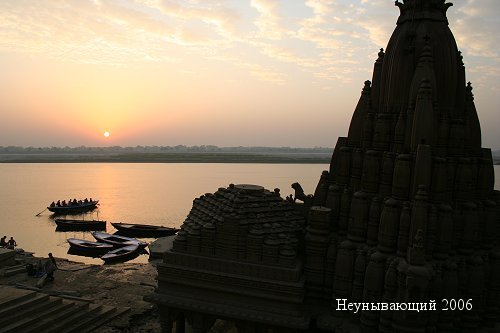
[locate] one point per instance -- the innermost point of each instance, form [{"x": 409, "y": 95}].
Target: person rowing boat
[{"x": 74, "y": 206}]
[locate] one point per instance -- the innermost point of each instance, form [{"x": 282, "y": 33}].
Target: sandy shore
[{"x": 119, "y": 285}]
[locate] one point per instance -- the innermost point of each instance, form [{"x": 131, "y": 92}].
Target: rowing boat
[
  {"x": 143, "y": 230},
  {"x": 122, "y": 253},
  {"x": 74, "y": 208},
  {"x": 68, "y": 224},
  {"x": 89, "y": 246},
  {"x": 117, "y": 240}
]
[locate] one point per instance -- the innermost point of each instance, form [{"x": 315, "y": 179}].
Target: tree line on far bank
[{"x": 160, "y": 149}]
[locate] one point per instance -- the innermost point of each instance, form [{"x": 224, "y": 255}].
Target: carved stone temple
[{"x": 407, "y": 213}]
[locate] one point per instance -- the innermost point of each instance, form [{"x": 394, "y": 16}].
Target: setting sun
[{"x": 106, "y": 134}]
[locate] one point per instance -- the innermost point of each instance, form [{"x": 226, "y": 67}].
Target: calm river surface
[
  {"x": 150, "y": 193},
  {"x": 160, "y": 194}
]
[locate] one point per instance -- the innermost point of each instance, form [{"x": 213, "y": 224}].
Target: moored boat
[
  {"x": 122, "y": 253},
  {"x": 117, "y": 240},
  {"x": 68, "y": 224},
  {"x": 143, "y": 230},
  {"x": 89, "y": 246},
  {"x": 74, "y": 208}
]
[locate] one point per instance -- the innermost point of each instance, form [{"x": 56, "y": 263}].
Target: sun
[{"x": 106, "y": 134}]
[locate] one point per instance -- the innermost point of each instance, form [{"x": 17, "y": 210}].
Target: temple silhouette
[{"x": 406, "y": 216}]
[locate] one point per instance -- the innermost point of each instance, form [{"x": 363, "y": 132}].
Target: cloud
[
  {"x": 335, "y": 39},
  {"x": 265, "y": 73},
  {"x": 329, "y": 39},
  {"x": 269, "y": 20},
  {"x": 286, "y": 55},
  {"x": 84, "y": 31},
  {"x": 215, "y": 14},
  {"x": 476, "y": 28},
  {"x": 113, "y": 32}
]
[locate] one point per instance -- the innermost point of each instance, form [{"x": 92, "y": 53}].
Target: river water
[{"x": 148, "y": 193}]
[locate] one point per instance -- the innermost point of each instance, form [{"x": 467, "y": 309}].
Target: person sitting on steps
[
  {"x": 50, "y": 267},
  {"x": 11, "y": 244}
]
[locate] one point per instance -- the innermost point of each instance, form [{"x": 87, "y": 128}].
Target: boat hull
[
  {"x": 121, "y": 254},
  {"x": 117, "y": 240},
  {"x": 82, "y": 245},
  {"x": 79, "y": 225},
  {"x": 143, "y": 230},
  {"x": 73, "y": 209}
]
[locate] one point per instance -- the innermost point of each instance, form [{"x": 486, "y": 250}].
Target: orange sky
[{"x": 228, "y": 73}]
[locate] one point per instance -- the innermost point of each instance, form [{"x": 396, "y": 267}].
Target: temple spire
[
  {"x": 423, "y": 9},
  {"x": 361, "y": 111},
  {"x": 423, "y": 119},
  {"x": 473, "y": 126}
]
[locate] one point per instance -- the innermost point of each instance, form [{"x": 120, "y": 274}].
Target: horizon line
[{"x": 159, "y": 146}]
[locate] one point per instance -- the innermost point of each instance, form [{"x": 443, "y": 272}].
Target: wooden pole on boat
[{"x": 41, "y": 212}]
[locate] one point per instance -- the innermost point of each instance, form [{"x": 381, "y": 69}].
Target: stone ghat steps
[
  {"x": 28, "y": 311},
  {"x": 13, "y": 270}
]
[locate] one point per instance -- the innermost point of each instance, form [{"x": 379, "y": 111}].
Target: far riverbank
[{"x": 198, "y": 157}]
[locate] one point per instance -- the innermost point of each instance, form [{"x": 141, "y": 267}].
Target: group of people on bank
[
  {"x": 47, "y": 268},
  {"x": 70, "y": 202},
  {"x": 44, "y": 269},
  {"x": 10, "y": 244}
]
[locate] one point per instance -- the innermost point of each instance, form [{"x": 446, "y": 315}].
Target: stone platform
[
  {"x": 7, "y": 257},
  {"x": 160, "y": 246},
  {"x": 29, "y": 311}
]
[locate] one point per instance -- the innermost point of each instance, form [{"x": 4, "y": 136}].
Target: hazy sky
[{"x": 222, "y": 72}]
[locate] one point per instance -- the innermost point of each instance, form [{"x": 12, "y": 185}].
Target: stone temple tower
[
  {"x": 414, "y": 215},
  {"x": 406, "y": 214}
]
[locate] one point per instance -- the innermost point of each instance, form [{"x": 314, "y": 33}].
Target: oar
[{"x": 41, "y": 212}]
